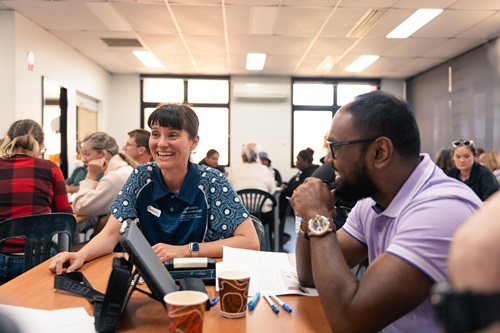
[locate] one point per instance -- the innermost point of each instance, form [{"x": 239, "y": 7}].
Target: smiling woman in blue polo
[{"x": 184, "y": 209}]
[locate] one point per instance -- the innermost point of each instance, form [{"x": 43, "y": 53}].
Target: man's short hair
[
  {"x": 141, "y": 137},
  {"x": 378, "y": 113}
]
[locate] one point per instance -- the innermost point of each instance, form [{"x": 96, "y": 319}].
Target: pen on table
[
  {"x": 253, "y": 302},
  {"x": 283, "y": 305},
  {"x": 271, "y": 303},
  {"x": 214, "y": 301}
]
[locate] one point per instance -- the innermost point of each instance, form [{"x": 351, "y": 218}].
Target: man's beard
[{"x": 362, "y": 187}]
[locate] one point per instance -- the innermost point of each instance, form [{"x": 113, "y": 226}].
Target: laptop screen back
[{"x": 152, "y": 270}]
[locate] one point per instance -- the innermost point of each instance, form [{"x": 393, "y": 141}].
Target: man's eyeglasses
[
  {"x": 460, "y": 143},
  {"x": 345, "y": 143}
]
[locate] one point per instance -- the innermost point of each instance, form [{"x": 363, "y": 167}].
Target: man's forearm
[{"x": 303, "y": 262}]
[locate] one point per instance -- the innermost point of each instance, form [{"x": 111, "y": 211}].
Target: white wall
[
  {"x": 7, "y": 70},
  {"x": 267, "y": 123},
  {"x": 124, "y": 111},
  {"x": 21, "y": 89}
]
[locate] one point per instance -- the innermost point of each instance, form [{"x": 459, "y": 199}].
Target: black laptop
[{"x": 152, "y": 270}]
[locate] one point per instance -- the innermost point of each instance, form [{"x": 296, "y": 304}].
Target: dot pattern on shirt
[{"x": 225, "y": 210}]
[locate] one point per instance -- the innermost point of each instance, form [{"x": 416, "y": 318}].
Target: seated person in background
[
  {"x": 404, "y": 218},
  {"x": 185, "y": 209},
  {"x": 212, "y": 160},
  {"x": 306, "y": 168},
  {"x": 491, "y": 160},
  {"x": 264, "y": 159},
  {"x": 137, "y": 146},
  {"x": 79, "y": 174},
  {"x": 474, "y": 264},
  {"x": 467, "y": 170},
  {"x": 251, "y": 174},
  {"x": 28, "y": 185},
  {"x": 93, "y": 199},
  {"x": 444, "y": 159}
]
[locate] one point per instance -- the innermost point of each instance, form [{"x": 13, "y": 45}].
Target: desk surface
[{"x": 35, "y": 289}]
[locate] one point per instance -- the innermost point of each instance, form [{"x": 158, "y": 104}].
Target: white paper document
[
  {"x": 74, "y": 320},
  {"x": 271, "y": 272}
]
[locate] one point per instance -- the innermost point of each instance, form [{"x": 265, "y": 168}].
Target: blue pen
[
  {"x": 271, "y": 303},
  {"x": 253, "y": 303},
  {"x": 214, "y": 301},
  {"x": 283, "y": 305}
]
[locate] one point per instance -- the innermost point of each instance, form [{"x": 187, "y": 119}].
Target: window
[
  {"x": 209, "y": 98},
  {"x": 314, "y": 103}
]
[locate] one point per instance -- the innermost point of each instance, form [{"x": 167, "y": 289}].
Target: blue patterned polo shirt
[{"x": 205, "y": 209}]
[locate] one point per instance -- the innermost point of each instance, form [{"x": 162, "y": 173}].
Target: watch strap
[{"x": 460, "y": 312}]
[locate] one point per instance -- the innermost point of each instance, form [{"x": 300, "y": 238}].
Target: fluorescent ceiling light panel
[
  {"x": 262, "y": 20},
  {"x": 255, "y": 61},
  {"x": 108, "y": 15},
  {"x": 416, "y": 21},
  {"x": 361, "y": 63},
  {"x": 327, "y": 63},
  {"x": 148, "y": 59}
]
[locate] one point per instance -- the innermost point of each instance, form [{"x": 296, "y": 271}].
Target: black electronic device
[
  {"x": 152, "y": 270},
  {"x": 201, "y": 268}
]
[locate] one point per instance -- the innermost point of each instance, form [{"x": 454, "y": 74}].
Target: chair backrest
[
  {"x": 254, "y": 200},
  {"x": 261, "y": 233},
  {"x": 38, "y": 231}
]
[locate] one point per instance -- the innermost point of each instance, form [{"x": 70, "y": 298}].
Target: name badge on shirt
[{"x": 155, "y": 211}]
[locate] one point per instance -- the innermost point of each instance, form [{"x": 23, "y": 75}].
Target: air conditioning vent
[
  {"x": 366, "y": 23},
  {"x": 268, "y": 92},
  {"x": 122, "y": 42}
]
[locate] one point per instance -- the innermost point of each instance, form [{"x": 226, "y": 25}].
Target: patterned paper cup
[
  {"x": 233, "y": 293},
  {"x": 185, "y": 311}
]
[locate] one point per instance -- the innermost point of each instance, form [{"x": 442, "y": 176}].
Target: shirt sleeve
[
  {"x": 94, "y": 198},
  {"x": 488, "y": 184},
  {"x": 125, "y": 205},
  {"x": 226, "y": 211}
]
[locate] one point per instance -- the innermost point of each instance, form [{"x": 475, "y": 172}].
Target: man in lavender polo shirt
[{"x": 407, "y": 212}]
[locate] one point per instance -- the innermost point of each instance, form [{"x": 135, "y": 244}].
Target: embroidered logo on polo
[{"x": 155, "y": 211}]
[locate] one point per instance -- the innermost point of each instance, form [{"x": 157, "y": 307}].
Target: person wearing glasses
[
  {"x": 29, "y": 185},
  {"x": 478, "y": 177},
  {"x": 405, "y": 215},
  {"x": 137, "y": 146}
]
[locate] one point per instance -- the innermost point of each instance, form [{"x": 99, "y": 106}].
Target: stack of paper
[
  {"x": 75, "y": 320},
  {"x": 271, "y": 272}
]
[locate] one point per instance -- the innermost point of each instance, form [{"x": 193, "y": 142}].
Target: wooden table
[{"x": 35, "y": 289}]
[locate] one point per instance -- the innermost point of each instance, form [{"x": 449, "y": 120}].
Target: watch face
[
  {"x": 194, "y": 247},
  {"x": 319, "y": 225}
]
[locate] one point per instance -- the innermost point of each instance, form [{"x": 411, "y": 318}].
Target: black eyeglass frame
[{"x": 345, "y": 143}]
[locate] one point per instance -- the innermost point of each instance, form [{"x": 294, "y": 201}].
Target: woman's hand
[
  {"x": 66, "y": 262},
  {"x": 166, "y": 251},
  {"x": 96, "y": 167}
]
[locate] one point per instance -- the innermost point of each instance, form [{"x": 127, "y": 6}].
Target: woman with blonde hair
[
  {"x": 29, "y": 185},
  {"x": 491, "y": 160}
]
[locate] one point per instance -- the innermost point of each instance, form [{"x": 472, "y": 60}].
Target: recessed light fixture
[
  {"x": 148, "y": 59},
  {"x": 255, "y": 61},
  {"x": 328, "y": 63},
  {"x": 361, "y": 63},
  {"x": 416, "y": 21}
]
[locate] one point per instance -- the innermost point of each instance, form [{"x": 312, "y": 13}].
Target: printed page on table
[{"x": 271, "y": 272}]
